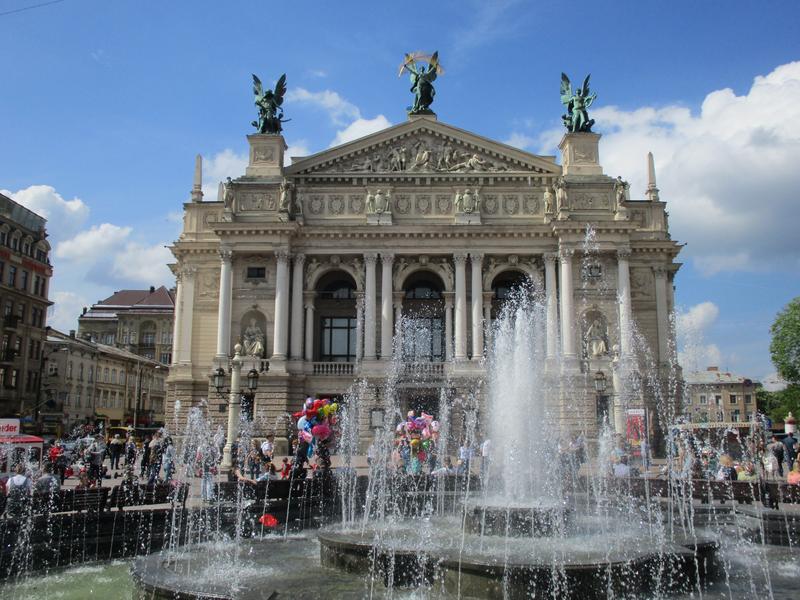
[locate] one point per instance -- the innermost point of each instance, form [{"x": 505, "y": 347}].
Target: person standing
[
  {"x": 115, "y": 450},
  {"x": 776, "y": 451},
  {"x": 168, "y": 459},
  {"x": 790, "y": 450},
  {"x": 268, "y": 448},
  {"x": 97, "y": 454},
  {"x": 130, "y": 451},
  {"x": 18, "y": 491},
  {"x": 154, "y": 465},
  {"x": 145, "y": 455}
]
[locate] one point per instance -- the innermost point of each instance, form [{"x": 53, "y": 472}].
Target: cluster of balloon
[
  {"x": 315, "y": 426},
  {"x": 416, "y": 438},
  {"x": 268, "y": 520}
]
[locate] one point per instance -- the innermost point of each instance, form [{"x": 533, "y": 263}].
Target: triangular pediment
[{"x": 425, "y": 146}]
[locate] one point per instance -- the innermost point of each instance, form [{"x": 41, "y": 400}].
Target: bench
[{"x": 144, "y": 495}]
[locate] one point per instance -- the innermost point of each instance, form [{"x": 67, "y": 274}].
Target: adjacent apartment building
[
  {"x": 139, "y": 321},
  {"x": 716, "y": 396},
  {"x": 89, "y": 382},
  {"x": 25, "y": 273}
]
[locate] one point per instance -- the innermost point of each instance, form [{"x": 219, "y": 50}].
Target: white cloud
[
  {"x": 143, "y": 264},
  {"x": 692, "y": 326},
  {"x": 339, "y": 110},
  {"x": 65, "y": 217},
  {"x": 93, "y": 244},
  {"x": 215, "y": 169},
  {"x": 298, "y": 149},
  {"x": 520, "y": 140},
  {"x": 359, "y": 128},
  {"x": 728, "y": 174},
  {"x": 67, "y": 306}
]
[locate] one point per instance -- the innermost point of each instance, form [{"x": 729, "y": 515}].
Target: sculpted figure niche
[
  {"x": 253, "y": 339},
  {"x": 595, "y": 339}
]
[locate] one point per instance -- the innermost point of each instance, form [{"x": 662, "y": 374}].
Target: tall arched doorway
[
  {"x": 423, "y": 318},
  {"x": 504, "y": 286},
  {"x": 336, "y": 318}
]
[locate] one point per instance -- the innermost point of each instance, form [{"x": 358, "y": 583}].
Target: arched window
[
  {"x": 336, "y": 307},
  {"x": 423, "y": 319},
  {"x": 505, "y": 286}
]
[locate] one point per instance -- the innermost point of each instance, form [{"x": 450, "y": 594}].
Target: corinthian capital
[
  {"x": 370, "y": 258},
  {"x": 550, "y": 257},
  {"x": 459, "y": 258},
  {"x": 624, "y": 252},
  {"x": 225, "y": 253},
  {"x": 565, "y": 253},
  {"x": 282, "y": 255},
  {"x": 476, "y": 258},
  {"x": 299, "y": 259},
  {"x": 387, "y": 258}
]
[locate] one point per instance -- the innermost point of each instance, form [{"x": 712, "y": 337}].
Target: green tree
[
  {"x": 785, "y": 346},
  {"x": 777, "y": 405}
]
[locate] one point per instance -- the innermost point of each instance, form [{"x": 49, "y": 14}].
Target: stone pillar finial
[
  {"x": 652, "y": 190},
  {"x": 197, "y": 184}
]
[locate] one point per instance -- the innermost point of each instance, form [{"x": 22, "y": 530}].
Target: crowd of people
[{"x": 770, "y": 459}]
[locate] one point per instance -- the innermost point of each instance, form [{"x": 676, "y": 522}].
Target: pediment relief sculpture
[{"x": 420, "y": 154}]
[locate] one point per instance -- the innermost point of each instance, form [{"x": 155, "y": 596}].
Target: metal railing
[
  {"x": 423, "y": 370},
  {"x": 332, "y": 368}
]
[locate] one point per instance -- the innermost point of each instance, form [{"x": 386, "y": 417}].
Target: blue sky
[{"x": 105, "y": 104}]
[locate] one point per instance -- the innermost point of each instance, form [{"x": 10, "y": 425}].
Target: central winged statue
[
  {"x": 270, "y": 113},
  {"x": 422, "y": 79},
  {"x": 577, "y": 117}
]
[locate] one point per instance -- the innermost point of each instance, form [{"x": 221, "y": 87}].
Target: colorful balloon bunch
[
  {"x": 315, "y": 422},
  {"x": 416, "y": 439}
]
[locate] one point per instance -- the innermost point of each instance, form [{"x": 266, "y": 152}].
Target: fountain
[{"x": 533, "y": 522}]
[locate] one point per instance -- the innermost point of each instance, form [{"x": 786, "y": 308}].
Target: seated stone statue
[{"x": 253, "y": 341}]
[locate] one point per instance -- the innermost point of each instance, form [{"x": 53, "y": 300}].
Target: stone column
[
  {"x": 448, "y": 325},
  {"x": 224, "y": 309},
  {"x": 624, "y": 299},
  {"x": 359, "y": 326},
  {"x": 280, "y": 336},
  {"x": 369, "y": 307},
  {"x": 487, "y": 319},
  {"x": 476, "y": 261},
  {"x": 461, "y": 306},
  {"x": 308, "y": 301},
  {"x": 233, "y": 407},
  {"x": 567, "y": 301},
  {"x": 552, "y": 303},
  {"x": 178, "y": 316},
  {"x": 619, "y": 408},
  {"x": 662, "y": 313},
  {"x": 297, "y": 307},
  {"x": 185, "y": 343},
  {"x": 387, "y": 329}
]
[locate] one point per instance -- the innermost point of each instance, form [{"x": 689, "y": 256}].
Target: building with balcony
[
  {"x": 87, "y": 382},
  {"x": 311, "y": 266},
  {"x": 137, "y": 320},
  {"x": 715, "y": 396},
  {"x": 25, "y": 273}
]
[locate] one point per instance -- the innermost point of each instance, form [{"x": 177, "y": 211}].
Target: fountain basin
[{"x": 541, "y": 518}]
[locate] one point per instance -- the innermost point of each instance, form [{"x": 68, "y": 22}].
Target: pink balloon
[
  {"x": 321, "y": 432},
  {"x": 306, "y": 436}
]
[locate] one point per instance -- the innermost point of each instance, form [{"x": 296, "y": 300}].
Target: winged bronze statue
[
  {"x": 270, "y": 113},
  {"x": 577, "y": 117},
  {"x": 422, "y": 79}
]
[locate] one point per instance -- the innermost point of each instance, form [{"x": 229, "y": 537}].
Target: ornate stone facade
[{"x": 422, "y": 220}]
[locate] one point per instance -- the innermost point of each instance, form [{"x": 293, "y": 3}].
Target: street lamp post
[{"x": 233, "y": 405}]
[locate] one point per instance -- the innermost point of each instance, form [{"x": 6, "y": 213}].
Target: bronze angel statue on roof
[
  {"x": 270, "y": 113},
  {"x": 422, "y": 79},
  {"x": 577, "y": 117}
]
